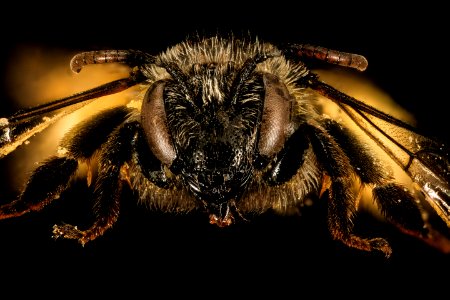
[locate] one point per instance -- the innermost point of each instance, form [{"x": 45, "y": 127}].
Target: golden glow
[
  {"x": 358, "y": 86},
  {"x": 38, "y": 75}
]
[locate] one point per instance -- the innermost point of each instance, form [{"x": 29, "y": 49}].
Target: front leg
[
  {"x": 112, "y": 174},
  {"x": 107, "y": 195},
  {"x": 341, "y": 211},
  {"x": 342, "y": 199}
]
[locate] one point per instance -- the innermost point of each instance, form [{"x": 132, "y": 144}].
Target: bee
[{"x": 232, "y": 127}]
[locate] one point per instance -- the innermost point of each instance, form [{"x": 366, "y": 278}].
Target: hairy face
[{"x": 215, "y": 122}]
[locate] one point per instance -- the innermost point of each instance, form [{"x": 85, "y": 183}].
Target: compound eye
[
  {"x": 154, "y": 123},
  {"x": 276, "y": 116}
]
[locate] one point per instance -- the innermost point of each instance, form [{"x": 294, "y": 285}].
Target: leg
[
  {"x": 397, "y": 204},
  {"x": 52, "y": 177},
  {"x": 359, "y": 154},
  {"x": 112, "y": 173},
  {"x": 399, "y": 207},
  {"x": 86, "y": 138},
  {"x": 44, "y": 185},
  {"x": 342, "y": 202}
]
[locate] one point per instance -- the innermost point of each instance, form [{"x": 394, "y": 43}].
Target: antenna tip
[{"x": 76, "y": 64}]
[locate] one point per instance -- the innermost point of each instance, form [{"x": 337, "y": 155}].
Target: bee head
[{"x": 211, "y": 126}]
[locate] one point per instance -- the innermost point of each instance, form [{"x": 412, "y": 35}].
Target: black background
[{"x": 165, "y": 253}]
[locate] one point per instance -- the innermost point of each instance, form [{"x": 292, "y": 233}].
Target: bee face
[{"x": 213, "y": 118}]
